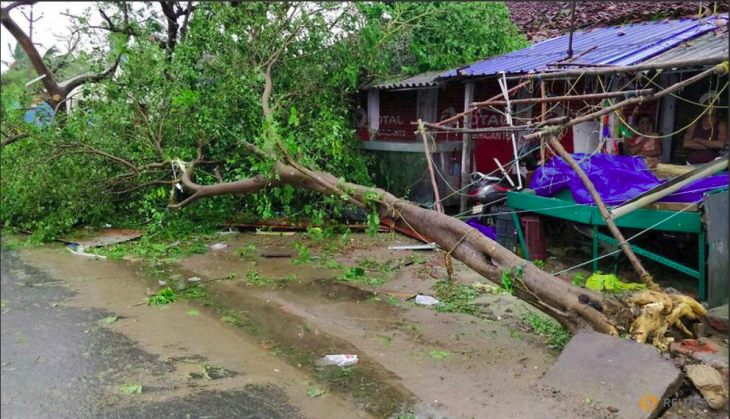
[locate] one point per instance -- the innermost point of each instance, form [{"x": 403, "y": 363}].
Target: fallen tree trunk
[{"x": 573, "y": 307}]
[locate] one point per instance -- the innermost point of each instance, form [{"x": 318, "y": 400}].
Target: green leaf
[
  {"x": 194, "y": 312},
  {"x": 109, "y": 320},
  {"x": 293, "y": 119},
  {"x": 131, "y": 389},
  {"x": 434, "y": 354}
]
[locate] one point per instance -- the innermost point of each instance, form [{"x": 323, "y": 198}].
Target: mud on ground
[{"x": 268, "y": 322}]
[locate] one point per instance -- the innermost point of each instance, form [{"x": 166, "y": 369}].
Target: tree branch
[
  {"x": 11, "y": 139},
  {"x": 69, "y": 85},
  {"x": 27, "y": 45}
]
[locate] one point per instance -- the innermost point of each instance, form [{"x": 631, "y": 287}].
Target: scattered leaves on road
[
  {"x": 131, "y": 389},
  {"x": 439, "y": 354},
  {"x": 109, "y": 320},
  {"x": 315, "y": 391}
]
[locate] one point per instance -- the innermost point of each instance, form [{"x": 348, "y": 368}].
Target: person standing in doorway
[{"x": 705, "y": 139}]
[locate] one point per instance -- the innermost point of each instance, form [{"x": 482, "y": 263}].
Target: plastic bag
[{"x": 337, "y": 360}]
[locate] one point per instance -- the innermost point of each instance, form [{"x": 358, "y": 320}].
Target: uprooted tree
[{"x": 253, "y": 104}]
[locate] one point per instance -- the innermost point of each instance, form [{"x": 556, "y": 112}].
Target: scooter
[{"x": 487, "y": 195}]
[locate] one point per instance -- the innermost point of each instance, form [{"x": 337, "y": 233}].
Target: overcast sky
[{"x": 44, "y": 31}]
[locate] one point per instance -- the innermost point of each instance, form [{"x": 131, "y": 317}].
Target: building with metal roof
[
  {"x": 709, "y": 45},
  {"x": 616, "y": 45},
  {"x": 421, "y": 80}
]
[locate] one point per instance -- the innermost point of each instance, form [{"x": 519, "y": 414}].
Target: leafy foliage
[
  {"x": 557, "y": 335},
  {"x": 163, "y": 297},
  {"x": 110, "y": 160},
  {"x": 456, "y": 297}
]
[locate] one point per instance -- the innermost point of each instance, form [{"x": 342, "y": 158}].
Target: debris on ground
[
  {"x": 703, "y": 350},
  {"x": 688, "y": 346},
  {"x": 194, "y": 279},
  {"x": 717, "y": 318},
  {"x": 79, "y": 251},
  {"x": 108, "y": 237},
  {"x": 276, "y": 254},
  {"x": 610, "y": 282},
  {"x": 710, "y": 384},
  {"x": 337, "y": 360},
  {"x": 218, "y": 246},
  {"x": 629, "y": 376},
  {"x": 275, "y": 233},
  {"x": 660, "y": 311},
  {"x": 426, "y": 300},
  {"x": 430, "y": 246}
]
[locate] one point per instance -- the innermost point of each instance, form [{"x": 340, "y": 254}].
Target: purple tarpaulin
[
  {"x": 488, "y": 231},
  {"x": 616, "y": 178}
]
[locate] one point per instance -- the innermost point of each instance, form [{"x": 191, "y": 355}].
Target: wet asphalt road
[{"x": 58, "y": 363}]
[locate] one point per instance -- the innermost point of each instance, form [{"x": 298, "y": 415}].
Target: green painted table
[{"x": 563, "y": 206}]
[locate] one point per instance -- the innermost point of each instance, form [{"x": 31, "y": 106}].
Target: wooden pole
[
  {"x": 718, "y": 69},
  {"x": 466, "y": 147},
  {"x": 471, "y": 107},
  {"x": 635, "y": 262},
  {"x": 435, "y": 186},
  {"x": 699, "y": 62},
  {"x": 594, "y": 96},
  {"x": 503, "y": 128},
  {"x": 670, "y": 187},
  {"x": 543, "y": 117}
]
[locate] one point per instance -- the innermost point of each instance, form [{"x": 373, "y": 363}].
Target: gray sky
[{"x": 44, "y": 31}]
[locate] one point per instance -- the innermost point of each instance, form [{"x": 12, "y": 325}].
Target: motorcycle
[{"x": 489, "y": 193}]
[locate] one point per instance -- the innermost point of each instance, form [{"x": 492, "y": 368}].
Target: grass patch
[
  {"x": 439, "y": 354},
  {"x": 358, "y": 274},
  {"x": 163, "y": 297},
  {"x": 193, "y": 313},
  {"x": 557, "y": 335},
  {"x": 305, "y": 255},
  {"x": 14, "y": 242},
  {"x": 315, "y": 391},
  {"x": 456, "y": 298},
  {"x": 131, "y": 389},
  {"x": 232, "y": 320},
  {"x": 255, "y": 278},
  {"x": 149, "y": 247},
  {"x": 194, "y": 293}
]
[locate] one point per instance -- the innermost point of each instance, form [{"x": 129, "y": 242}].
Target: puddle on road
[{"x": 289, "y": 336}]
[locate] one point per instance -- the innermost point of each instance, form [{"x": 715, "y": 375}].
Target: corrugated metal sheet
[
  {"x": 420, "y": 80},
  {"x": 706, "y": 46},
  {"x": 617, "y": 45}
]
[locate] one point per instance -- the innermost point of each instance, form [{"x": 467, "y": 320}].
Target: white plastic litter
[
  {"x": 426, "y": 300},
  {"x": 162, "y": 283},
  {"x": 218, "y": 246},
  {"x": 337, "y": 360},
  {"x": 79, "y": 251},
  {"x": 194, "y": 279}
]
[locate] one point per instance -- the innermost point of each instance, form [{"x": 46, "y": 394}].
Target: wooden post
[
  {"x": 542, "y": 119},
  {"x": 635, "y": 262},
  {"x": 373, "y": 112},
  {"x": 670, "y": 187},
  {"x": 667, "y": 110},
  {"x": 434, "y": 185},
  {"x": 466, "y": 148}
]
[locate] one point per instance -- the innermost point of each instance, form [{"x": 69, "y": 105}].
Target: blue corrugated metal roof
[{"x": 615, "y": 45}]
